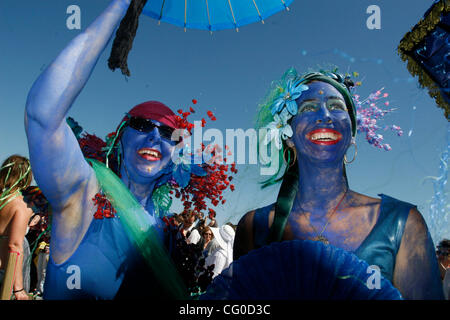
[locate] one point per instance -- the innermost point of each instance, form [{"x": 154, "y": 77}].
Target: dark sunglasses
[{"x": 146, "y": 125}]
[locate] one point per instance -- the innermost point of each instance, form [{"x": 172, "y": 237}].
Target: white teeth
[
  {"x": 151, "y": 153},
  {"x": 324, "y": 136}
]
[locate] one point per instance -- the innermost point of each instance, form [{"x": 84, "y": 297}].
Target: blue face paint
[
  {"x": 322, "y": 135},
  {"x": 145, "y": 155},
  {"x": 322, "y": 127}
]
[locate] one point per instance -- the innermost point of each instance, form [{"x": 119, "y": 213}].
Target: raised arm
[
  {"x": 416, "y": 272},
  {"x": 58, "y": 164},
  {"x": 57, "y": 161}
]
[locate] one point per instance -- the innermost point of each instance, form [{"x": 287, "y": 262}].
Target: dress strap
[
  {"x": 283, "y": 206},
  {"x": 395, "y": 213},
  {"x": 261, "y": 226},
  {"x": 383, "y": 242}
]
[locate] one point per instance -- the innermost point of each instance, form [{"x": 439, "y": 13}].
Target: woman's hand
[{"x": 22, "y": 295}]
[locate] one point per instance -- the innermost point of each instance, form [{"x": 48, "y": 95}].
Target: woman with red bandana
[
  {"x": 93, "y": 258},
  {"x": 311, "y": 120}
]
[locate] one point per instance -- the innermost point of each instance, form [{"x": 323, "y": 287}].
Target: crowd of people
[
  {"x": 215, "y": 241},
  {"x": 206, "y": 246}
]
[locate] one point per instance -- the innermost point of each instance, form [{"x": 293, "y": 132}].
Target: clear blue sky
[{"x": 228, "y": 72}]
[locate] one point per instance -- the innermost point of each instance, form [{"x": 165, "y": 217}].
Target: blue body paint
[
  {"x": 322, "y": 134},
  {"x": 70, "y": 184}
]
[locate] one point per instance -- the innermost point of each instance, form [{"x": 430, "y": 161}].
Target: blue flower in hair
[
  {"x": 185, "y": 164},
  {"x": 288, "y": 96}
]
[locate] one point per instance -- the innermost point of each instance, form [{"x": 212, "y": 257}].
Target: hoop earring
[
  {"x": 295, "y": 156},
  {"x": 354, "y": 157}
]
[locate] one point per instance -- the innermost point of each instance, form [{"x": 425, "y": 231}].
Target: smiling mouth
[
  {"x": 150, "y": 154},
  {"x": 324, "y": 136}
]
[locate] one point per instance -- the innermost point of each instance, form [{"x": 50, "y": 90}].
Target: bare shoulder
[
  {"x": 362, "y": 200},
  {"x": 243, "y": 241},
  {"x": 416, "y": 255},
  {"x": 18, "y": 206},
  {"x": 415, "y": 218},
  {"x": 415, "y": 240},
  {"x": 15, "y": 211},
  {"x": 245, "y": 224},
  {"x": 365, "y": 208},
  {"x": 415, "y": 228}
]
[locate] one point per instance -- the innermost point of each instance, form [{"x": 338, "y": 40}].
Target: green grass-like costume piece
[
  {"x": 264, "y": 117},
  {"x": 140, "y": 230}
]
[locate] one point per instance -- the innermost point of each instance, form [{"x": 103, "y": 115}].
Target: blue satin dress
[{"x": 381, "y": 245}]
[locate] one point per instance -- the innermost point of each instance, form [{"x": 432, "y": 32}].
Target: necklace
[{"x": 320, "y": 237}]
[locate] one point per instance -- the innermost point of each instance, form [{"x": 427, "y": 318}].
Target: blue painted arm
[
  {"x": 416, "y": 272},
  {"x": 58, "y": 164}
]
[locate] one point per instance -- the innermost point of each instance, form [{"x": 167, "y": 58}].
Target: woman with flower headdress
[
  {"x": 311, "y": 122},
  {"x": 15, "y": 175},
  {"x": 107, "y": 234}
]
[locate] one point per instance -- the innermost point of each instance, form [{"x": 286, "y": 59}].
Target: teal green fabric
[
  {"x": 140, "y": 228},
  {"x": 284, "y": 203},
  {"x": 118, "y": 258},
  {"x": 379, "y": 248},
  {"x": 381, "y": 245}
]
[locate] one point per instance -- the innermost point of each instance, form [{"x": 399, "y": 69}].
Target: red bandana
[{"x": 154, "y": 110}]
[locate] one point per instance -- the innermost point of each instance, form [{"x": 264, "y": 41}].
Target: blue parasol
[
  {"x": 213, "y": 15},
  {"x": 300, "y": 270},
  {"x": 196, "y": 14}
]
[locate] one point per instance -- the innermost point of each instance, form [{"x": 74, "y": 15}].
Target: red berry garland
[
  {"x": 104, "y": 207},
  {"x": 216, "y": 180},
  {"x": 194, "y": 196}
]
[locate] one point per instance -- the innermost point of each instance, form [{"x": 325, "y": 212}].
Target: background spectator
[
  {"x": 15, "y": 175},
  {"x": 209, "y": 243},
  {"x": 222, "y": 257},
  {"x": 443, "y": 256},
  {"x": 41, "y": 261},
  {"x": 187, "y": 229}
]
